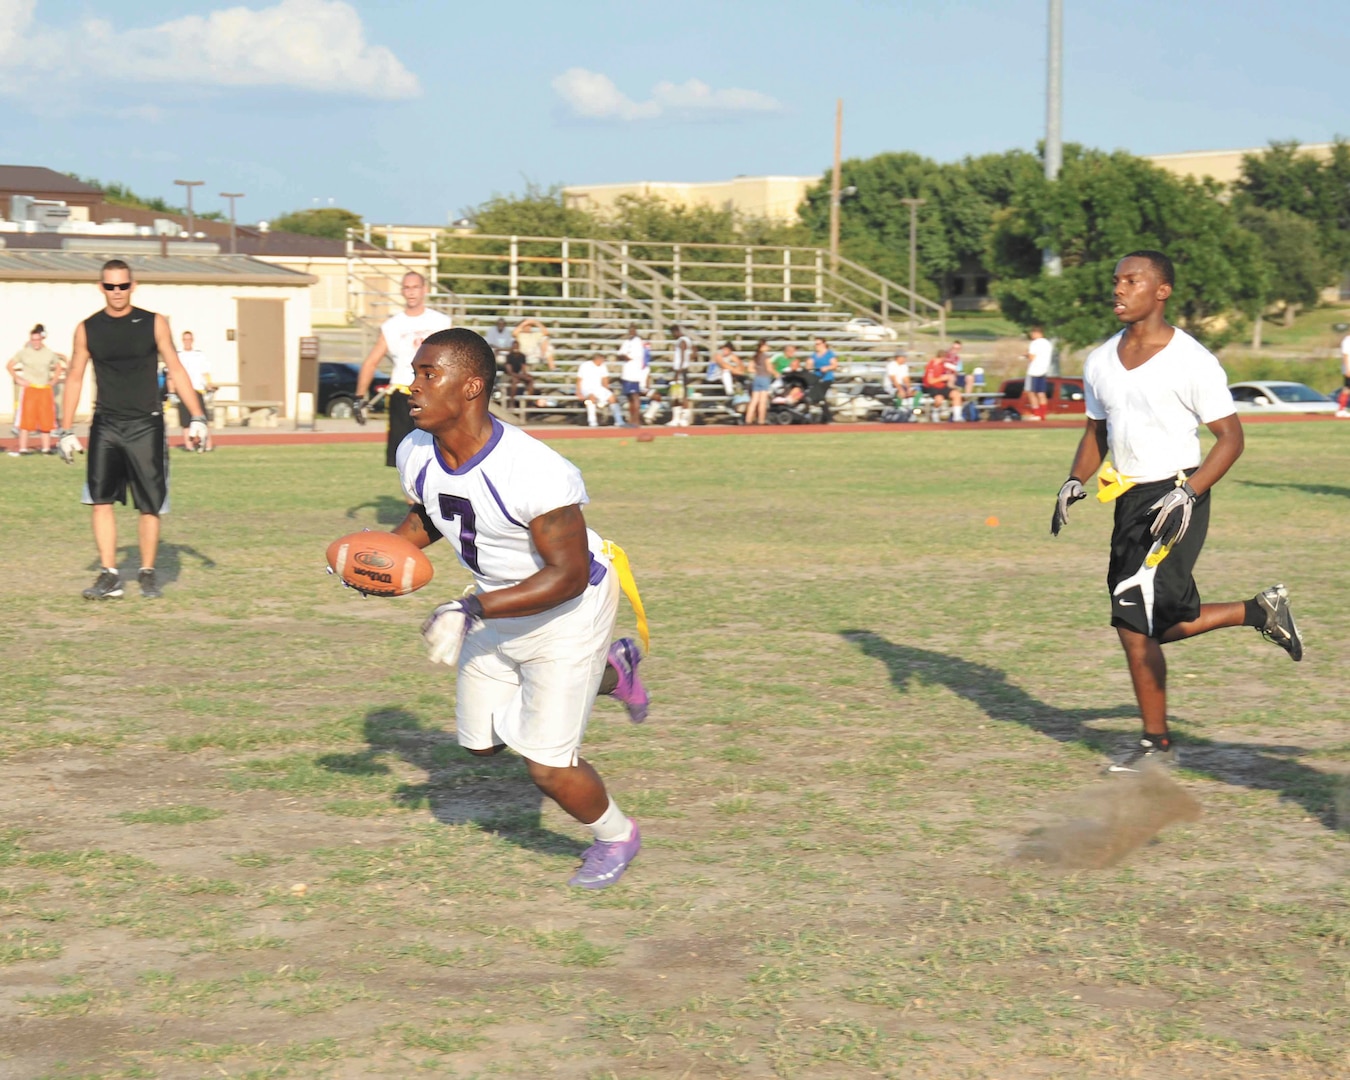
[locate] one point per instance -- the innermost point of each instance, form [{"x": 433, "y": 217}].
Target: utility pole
[
  {"x": 232, "y": 195},
  {"x": 1054, "y": 99},
  {"x": 834, "y": 185},
  {"x": 190, "y": 184},
  {"x": 913, "y": 205}
]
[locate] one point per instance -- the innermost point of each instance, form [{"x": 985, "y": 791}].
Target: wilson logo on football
[{"x": 375, "y": 559}]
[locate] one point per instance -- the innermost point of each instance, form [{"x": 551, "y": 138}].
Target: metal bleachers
[{"x": 588, "y": 292}]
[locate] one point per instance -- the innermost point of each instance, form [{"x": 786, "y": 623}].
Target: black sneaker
[
  {"x": 107, "y": 587},
  {"x": 1145, "y": 755},
  {"x": 150, "y": 589},
  {"x": 1280, "y": 626}
]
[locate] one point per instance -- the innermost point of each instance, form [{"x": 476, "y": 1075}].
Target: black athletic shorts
[
  {"x": 400, "y": 425},
  {"x": 941, "y": 391},
  {"x": 1151, "y": 602},
  {"x": 128, "y": 452}
]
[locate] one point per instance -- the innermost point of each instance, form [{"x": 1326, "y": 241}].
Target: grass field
[{"x": 237, "y": 839}]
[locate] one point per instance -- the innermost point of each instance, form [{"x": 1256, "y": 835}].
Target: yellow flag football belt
[
  {"x": 1111, "y": 485},
  {"x": 618, "y": 558}
]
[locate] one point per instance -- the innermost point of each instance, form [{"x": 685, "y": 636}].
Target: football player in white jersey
[
  {"x": 532, "y": 642},
  {"x": 400, "y": 337}
]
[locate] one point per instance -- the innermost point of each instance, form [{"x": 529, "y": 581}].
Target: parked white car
[
  {"x": 1268, "y": 396},
  {"x": 869, "y": 330}
]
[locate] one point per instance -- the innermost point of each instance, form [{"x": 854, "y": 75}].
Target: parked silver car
[{"x": 1271, "y": 396}]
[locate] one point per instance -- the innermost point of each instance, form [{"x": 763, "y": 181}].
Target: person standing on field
[
  {"x": 1039, "y": 353},
  {"x": 1148, "y": 389},
  {"x": 199, "y": 371},
  {"x": 36, "y": 370},
  {"x": 530, "y": 644},
  {"x": 1344, "y": 397},
  {"x": 633, "y": 355},
  {"x": 682, "y": 366},
  {"x": 400, "y": 337},
  {"x": 127, "y": 443}
]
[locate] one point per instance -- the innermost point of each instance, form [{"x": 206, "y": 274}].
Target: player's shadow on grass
[
  {"x": 494, "y": 793},
  {"x": 168, "y": 562},
  {"x": 1307, "y": 489},
  {"x": 1261, "y": 766},
  {"x": 388, "y": 510}
]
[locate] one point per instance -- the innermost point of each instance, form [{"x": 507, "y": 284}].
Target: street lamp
[
  {"x": 913, "y": 205},
  {"x": 190, "y": 184},
  {"x": 232, "y": 195}
]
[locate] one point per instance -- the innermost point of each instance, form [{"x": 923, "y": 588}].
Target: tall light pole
[
  {"x": 192, "y": 221},
  {"x": 1054, "y": 100},
  {"x": 232, "y": 195},
  {"x": 834, "y": 185},
  {"x": 913, "y": 205}
]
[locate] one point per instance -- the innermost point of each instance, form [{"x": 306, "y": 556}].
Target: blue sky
[{"x": 411, "y": 112}]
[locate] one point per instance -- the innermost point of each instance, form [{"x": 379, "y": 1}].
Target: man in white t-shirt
[
  {"x": 199, "y": 373},
  {"x": 594, "y": 392},
  {"x": 401, "y": 336},
  {"x": 1343, "y": 398},
  {"x": 531, "y": 642},
  {"x": 681, "y": 366},
  {"x": 1039, "y": 353},
  {"x": 1148, "y": 389},
  {"x": 633, "y": 375},
  {"x": 896, "y": 381}
]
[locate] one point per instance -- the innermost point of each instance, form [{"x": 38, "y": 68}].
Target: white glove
[
  {"x": 447, "y": 626},
  {"x": 1069, "y": 493},
  {"x": 69, "y": 446},
  {"x": 197, "y": 433},
  {"x": 1173, "y": 515}
]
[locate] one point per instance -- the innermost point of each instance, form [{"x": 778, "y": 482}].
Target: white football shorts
[{"x": 530, "y": 682}]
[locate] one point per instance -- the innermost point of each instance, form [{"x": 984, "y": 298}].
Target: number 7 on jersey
[{"x": 455, "y": 506}]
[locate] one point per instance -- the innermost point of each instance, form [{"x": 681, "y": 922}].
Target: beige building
[
  {"x": 1224, "y": 166},
  {"x": 776, "y": 197},
  {"x": 247, "y": 317}
]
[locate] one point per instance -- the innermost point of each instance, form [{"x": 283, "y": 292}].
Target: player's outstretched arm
[
  {"x": 560, "y": 538},
  {"x": 1088, "y": 459}
]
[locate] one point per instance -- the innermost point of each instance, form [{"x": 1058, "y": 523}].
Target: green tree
[
  {"x": 331, "y": 222},
  {"x": 1296, "y": 269},
  {"x": 121, "y": 195},
  {"x": 952, "y": 227},
  {"x": 1286, "y": 178},
  {"x": 1101, "y": 207}
]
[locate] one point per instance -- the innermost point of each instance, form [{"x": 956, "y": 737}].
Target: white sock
[
  {"x": 111, "y": 569},
  {"x": 612, "y": 825}
]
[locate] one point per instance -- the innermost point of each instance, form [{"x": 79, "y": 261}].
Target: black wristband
[
  {"x": 196, "y": 419},
  {"x": 1186, "y": 487},
  {"x": 472, "y": 605}
]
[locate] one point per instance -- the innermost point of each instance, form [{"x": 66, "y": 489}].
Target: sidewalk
[{"x": 328, "y": 431}]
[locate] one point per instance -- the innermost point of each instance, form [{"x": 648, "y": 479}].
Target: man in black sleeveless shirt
[{"x": 127, "y": 445}]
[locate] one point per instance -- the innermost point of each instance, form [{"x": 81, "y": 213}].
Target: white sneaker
[{"x": 1344, "y": 414}]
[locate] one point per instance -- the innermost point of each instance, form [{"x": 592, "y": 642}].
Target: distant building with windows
[{"x": 773, "y": 197}]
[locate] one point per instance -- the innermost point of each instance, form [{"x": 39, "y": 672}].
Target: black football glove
[
  {"x": 1069, "y": 493},
  {"x": 361, "y": 410}
]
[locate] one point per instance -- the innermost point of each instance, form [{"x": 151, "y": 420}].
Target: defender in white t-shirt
[
  {"x": 1040, "y": 352},
  {"x": 1148, "y": 389},
  {"x": 532, "y": 642},
  {"x": 401, "y": 336}
]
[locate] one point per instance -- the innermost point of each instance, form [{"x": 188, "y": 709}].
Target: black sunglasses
[{"x": 122, "y": 286}]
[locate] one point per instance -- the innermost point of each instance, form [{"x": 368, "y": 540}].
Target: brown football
[{"x": 379, "y": 563}]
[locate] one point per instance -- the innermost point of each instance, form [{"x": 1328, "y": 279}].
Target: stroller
[{"x": 800, "y": 400}]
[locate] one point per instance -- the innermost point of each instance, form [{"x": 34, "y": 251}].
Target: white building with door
[{"x": 246, "y": 315}]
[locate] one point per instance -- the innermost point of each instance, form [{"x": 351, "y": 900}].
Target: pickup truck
[{"x": 1064, "y": 397}]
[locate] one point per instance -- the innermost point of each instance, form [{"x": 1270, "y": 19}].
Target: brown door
[{"x": 261, "y": 333}]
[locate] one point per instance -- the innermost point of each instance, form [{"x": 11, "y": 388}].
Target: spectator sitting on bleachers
[
  {"x": 787, "y": 360},
  {"x": 593, "y": 390},
  {"x": 518, "y": 374},
  {"x": 939, "y": 381},
  {"x": 531, "y": 337},
  {"x": 724, "y": 367},
  {"x": 823, "y": 361},
  {"x": 501, "y": 339},
  {"x": 897, "y": 377}
]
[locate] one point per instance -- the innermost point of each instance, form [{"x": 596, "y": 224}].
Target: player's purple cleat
[
  {"x": 603, "y": 863},
  {"x": 625, "y": 656}
]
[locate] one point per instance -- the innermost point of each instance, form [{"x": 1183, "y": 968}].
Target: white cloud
[
  {"x": 593, "y": 96},
  {"x": 315, "y": 45}
]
